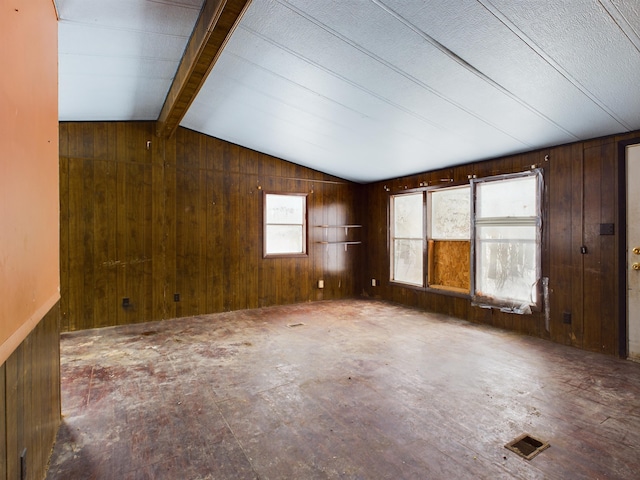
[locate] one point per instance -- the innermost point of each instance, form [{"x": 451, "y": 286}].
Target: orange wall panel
[{"x": 29, "y": 203}]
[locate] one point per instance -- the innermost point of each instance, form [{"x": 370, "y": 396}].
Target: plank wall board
[
  {"x": 168, "y": 232},
  {"x": 30, "y": 394},
  {"x": 158, "y": 259},
  {"x": 565, "y": 213},
  {"x": 600, "y": 263},
  {"x": 215, "y": 229},
  {"x": 64, "y": 238}
]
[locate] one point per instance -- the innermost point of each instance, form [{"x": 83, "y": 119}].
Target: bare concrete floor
[{"x": 363, "y": 389}]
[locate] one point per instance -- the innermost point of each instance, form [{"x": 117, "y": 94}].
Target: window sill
[
  {"x": 285, "y": 255},
  {"x": 437, "y": 289}
]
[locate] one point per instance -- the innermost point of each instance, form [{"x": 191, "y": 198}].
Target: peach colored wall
[{"x": 29, "y": 204}]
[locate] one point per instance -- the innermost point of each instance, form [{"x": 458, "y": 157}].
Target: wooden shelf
[
  {"x": 338, "y": 226},
  {"x": 341, "y": 243},
  {"x": 346, "y": 243}
]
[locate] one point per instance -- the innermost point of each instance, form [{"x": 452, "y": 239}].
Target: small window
[
  {"x": 407, "y": 238},
  {"x": 507, "y": 248},
  {"x": 449, "y": 245},
  {"x": 285, "y": 224}
]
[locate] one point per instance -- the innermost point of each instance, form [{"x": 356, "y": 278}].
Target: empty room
[{"x": 312, "y": 239}]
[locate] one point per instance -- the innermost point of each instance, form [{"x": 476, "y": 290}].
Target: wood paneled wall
[
  {"x": 581, "y": 192},
  {"x": 30, "y": 400},
  {"x": 145, "y": 221}
]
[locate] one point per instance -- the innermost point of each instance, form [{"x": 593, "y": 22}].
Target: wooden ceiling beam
[{"x": 217, "y": 21}]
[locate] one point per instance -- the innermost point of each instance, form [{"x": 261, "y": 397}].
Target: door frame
[{"x": 623, "y": 341}]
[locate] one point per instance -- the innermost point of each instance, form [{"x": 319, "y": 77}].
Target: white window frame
[
  {"x": 431, "y": 236},
  {"x": 267, "y": 226},
  {"x": 533, "y": 221},
  {"x": 393, "y": 239}
]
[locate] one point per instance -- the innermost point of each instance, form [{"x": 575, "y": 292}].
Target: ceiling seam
[
  {"x": 622, "y": 22},
  {"x": 175, "y": 4},
  {"x": 463, "y": 63},
  {"x": 547, "y": 58},
  {"x": 399, "y": 72},
  {"x": 132, "y": 57},
  {"x": 123, "y": 75},
  {"x": 121, "y": 29}
]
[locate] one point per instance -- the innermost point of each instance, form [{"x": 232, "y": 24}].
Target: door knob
[
  {"x": 636, "y": 266},
  {"x": 636, "y": 250}
]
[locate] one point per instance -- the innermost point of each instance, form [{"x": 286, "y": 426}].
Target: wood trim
[
  {"x": 217, "y": 21},
  {"x": 14, "y": 341}
]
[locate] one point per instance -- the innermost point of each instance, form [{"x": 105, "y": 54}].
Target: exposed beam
[{"x": 217, "y": 21}]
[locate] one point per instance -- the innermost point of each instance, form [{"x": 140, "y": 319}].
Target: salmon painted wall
[{"x": 29, "y": 203}]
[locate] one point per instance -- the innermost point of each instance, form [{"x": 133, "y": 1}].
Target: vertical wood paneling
[
  {"x": 215, "y": 227},
  {"x": 170, "y": 226},
  {"x": 609, "y": 249},
  {"x": 576, "y": 184},
  {"x": 600, "y": 262},
  {"x": 565, "y": 207},
  {"x": 157, "y": 235},
  {"x": 106, "y": 255},
  {"x": 187, "y": 224},
  {"x": 30, "y": 393},
  {"x": 75, "y": 234},
  {"x": 64, "y": 240},
  {"x": 253, "y": 225},
  {"x": 185, "y": 216}
]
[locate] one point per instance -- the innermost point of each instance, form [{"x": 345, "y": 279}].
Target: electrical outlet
[
  {"x": 125, "y": 302},
  {"x": 566, "y": 318},
  {"x": 176, "y": 297},
  {"x": 320, "y": 283},
  {"x": 374, "y": 282}
]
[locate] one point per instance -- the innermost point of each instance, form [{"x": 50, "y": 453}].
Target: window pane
[
  {"x": 407, "y": 261},
  {"x": 407, "y": 215},
  {"x": 284, "y": 239},
  {"x": 287, "y": 209},
  {"x": 513, "y": 197},
  {"x": 451, "y": 214},
  {"x": 506, "y": 263}
]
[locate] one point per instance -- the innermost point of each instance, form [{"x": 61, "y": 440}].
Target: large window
[
  {"x": 488, "y": 247},
  {"x": 285, "y": 224},
  {"x": 407, "y": 238},
  {"x": 507, "y": 224}
]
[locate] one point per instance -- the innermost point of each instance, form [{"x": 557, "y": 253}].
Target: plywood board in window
[{"x": 450, "y": 266}]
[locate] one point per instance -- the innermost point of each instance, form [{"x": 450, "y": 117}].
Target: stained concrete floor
[{"x": 362, "y": 390}]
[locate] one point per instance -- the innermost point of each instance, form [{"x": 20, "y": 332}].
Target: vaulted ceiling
[{"x": 367, "y": 89}]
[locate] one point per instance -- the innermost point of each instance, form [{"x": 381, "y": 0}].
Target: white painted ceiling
[{"x": 368, "y": 89}]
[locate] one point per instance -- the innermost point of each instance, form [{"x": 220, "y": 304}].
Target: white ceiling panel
[
  {"x": 117, "y": 58},
  {"x": 582, "y": 39},
  {"x": 368, "y": 89},
  {"x": 480, "y": 39}
]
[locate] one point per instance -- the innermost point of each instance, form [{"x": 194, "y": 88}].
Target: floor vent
[
  {"x": 299, "y": 324},
  {"x": 527, "y": 446}
]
